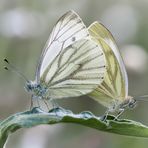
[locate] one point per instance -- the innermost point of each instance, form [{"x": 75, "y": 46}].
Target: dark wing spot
[{"x": 73, "y": 39}]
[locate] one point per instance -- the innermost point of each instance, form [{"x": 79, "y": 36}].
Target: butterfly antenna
[
  {"x": 14, "y": 69},
  {"x": 141, "y": 98}
]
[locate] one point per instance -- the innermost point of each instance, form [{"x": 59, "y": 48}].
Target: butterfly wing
[
  {"x": 76, "y": 71},
  {"x": 69, "y": 63},
  {"x": 114, "y": 88},
  {"x": 106, "y": 35},
  {"x": 68, "y": 29}
]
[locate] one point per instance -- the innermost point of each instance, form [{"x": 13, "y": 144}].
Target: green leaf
[{"x": 59, "y": 115}]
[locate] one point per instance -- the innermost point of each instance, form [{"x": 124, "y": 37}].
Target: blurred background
[{"x": 24, "y": 28}]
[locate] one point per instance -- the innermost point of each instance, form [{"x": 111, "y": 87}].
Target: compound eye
[
  {"x": 38, "y": 85},
  {"x": 132, "y": 104},
  {"x": 29, "y": 87}
]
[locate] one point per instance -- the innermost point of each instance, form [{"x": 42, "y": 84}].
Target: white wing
[
  {"x": 76, "y": 70},
  {"x": 68, "y": 29},
  {"x": 106, "y": 35}
]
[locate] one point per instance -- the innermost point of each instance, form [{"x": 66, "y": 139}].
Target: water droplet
[{"x": 87, "y": 114}]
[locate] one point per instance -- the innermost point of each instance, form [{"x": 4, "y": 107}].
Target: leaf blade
[{"x": 59, "y": 115}]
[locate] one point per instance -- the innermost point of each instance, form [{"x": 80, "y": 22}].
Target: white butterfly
[
  {"x": 113, "y": 91},
  {"x": 71, "y": 64}
]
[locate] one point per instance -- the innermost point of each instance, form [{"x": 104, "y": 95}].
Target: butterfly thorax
[{"x": 36, "y": 89}]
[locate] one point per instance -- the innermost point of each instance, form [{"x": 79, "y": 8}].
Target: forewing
[
  {"x": 113, "y": 89},
  {"x": 99, "y": 30},
  {"x": 76, "y": 71},
  {"x": 68, "y": 29}
]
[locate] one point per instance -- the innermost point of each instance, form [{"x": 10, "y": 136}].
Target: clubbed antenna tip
[
  {"x": 6, "y": 61},
  {"x": 12, "y": 68},
  {"x": 6, "y": 68}
]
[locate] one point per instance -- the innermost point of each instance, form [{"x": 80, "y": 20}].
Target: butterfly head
[
  {"x": 30, "y": 85},
  {"x": 132, "y": 102},
  {"x": 35, "y": 89},
  {"x": 129, "y": 102}
]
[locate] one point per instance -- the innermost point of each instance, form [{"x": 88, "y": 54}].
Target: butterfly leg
[
  {"x": 31, "y": 104},
  {"x": 38, "y": 103},
  {"x": 46, "y": 103},
  {"x": 104, "y": 117},
  {"x": 54, "y": 104},
  {"x": 34, "y": 102},
  {"x": 121, "y": 110},
  {"x": 56, "y": 108}
]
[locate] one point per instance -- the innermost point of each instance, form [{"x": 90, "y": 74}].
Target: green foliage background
[{"x": 24, "y": 29}]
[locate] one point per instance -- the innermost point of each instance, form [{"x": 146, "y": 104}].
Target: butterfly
[
  {"x": 113, "y": 91},
  {"x": 71, "y": 63}
]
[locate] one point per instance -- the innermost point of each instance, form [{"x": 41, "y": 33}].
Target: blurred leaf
[{"x": 59, "y": 115}]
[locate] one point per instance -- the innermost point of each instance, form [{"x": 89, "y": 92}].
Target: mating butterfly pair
[{"x": 77, "y": 61}]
